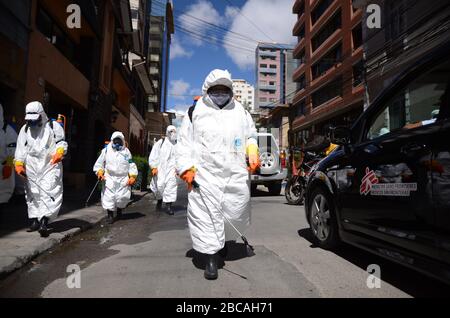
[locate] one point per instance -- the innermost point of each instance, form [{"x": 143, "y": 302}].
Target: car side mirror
[{"x": 341, "y": 136}]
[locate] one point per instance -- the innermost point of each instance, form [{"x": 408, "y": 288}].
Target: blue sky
[{"x": 241, "y": 24}]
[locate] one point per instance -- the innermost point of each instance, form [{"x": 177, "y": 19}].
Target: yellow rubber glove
[
  {"x": 101, "y": 174},
  {"x": 58, "y": 156},
  {"x": 253, "y": 158},
  {"x": 155, "y": 171},
  {"x": 20, "y": 169}
]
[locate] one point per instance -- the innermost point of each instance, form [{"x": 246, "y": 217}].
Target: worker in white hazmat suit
[
  {"x": 116, "y": 167},
  {"x": 41, "y": 147},
  {"x": 216, "y": 137},
  {"x": 8, "y": 139},
  {"x": 162, "y": 165}
]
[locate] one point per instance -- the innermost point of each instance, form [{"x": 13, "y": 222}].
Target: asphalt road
[{"x": 149, "y": 254}]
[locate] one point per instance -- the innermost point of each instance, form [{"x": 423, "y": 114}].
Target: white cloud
[
  {"x": 273, "y": 17},
  {"x": 195, "y": 17},
  {"x": 177, "y": 50},
  {"x": 179, "y": 88}
]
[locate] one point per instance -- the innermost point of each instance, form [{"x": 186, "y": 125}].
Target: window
[
  {"x": 330, "y": 59},
  {"x": 302, "y": 57},
  {"x": 263, "y": 65},
  {"x": 317, "y": 12},
  {"x": 271, "y": 83},
  {"x": 422, "y": 102},
  {"x": 301, "y": 33},
  {"x": 327, "y": 30},
  {"x": 55, "y": 35},
  {"x": 357, "y": 36},
  {"x": 302, "y": 82},
  {"x": 263, "y": 99},
  {"x": 358, "y": 70},
  {"x": 273, "y": 66},
  {"x": 328, "y": 92}
]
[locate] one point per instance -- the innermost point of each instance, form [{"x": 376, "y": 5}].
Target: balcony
[
  {"x": 266, "y": 70},
  {"x": 267, "y": 54},
  {"x": 267, "y": 104},
  {"x": 267, "y": 87},
  {"x": 298, "y": 7}
]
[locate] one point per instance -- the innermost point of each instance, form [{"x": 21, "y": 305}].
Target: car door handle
[{"x": 412, "y": 147}]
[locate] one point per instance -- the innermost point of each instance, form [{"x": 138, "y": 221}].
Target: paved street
[{"x": 148, "y": 254}]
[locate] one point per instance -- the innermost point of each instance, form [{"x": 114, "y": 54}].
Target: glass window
[
  {"x": 358, "y": 70},
  {"x": 327, "y": 30},
  {"x": 333, "y": 57},
  {"x": 357, "y": 36},
  {"x": 328, "y": 92},
  {"x": 422, "y": 102},
  {"x": 319, "y": 9}
]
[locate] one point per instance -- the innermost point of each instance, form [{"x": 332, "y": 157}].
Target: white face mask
[{"x": 173, "y": 136}]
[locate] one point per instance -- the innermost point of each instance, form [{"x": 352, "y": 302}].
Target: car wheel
[
  {"x": 269, "y": 161},
  {"x": 322, "y": 219},
  {"x": 275, "y": 188}
]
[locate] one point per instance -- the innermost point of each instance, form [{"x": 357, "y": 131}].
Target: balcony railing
[
  {"x": 267, "y": 87},
  {"x": 268, "y": 70},
  {"x": 267, "y": 53}
]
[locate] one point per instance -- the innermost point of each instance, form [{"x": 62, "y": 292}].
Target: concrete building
[
  {"x": 330, "y": 52},
  {"x": 82, "y": 73},
  {"x": 160, "y": 34},
  {"x": 244, "y": 93},
  {"x": 273, "y": 62}
]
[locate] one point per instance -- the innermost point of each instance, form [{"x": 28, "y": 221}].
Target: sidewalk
[{"x": 18, "y": 247}]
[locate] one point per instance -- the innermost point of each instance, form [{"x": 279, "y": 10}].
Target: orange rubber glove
[
  {"x": 58, "y": 156},
  {"x": 253, "y": 158},
  {"x": 101, "y": 175},
  {"x": 131, "y": 181},
  {"x": 188, "y": 176},
  {"x": 155, "y": 171},
  {"x": 20, "y": 169}
]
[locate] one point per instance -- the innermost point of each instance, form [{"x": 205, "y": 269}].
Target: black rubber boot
[
  {"x": 110, "y": 219},
  {"x": 43, "y": 230},
  {"x": 159, "y": 205},
  {"x": 211, "y": 272},
  {"x": 34, "y": 225},
  {"x": 119, "y": 214},
  {"x": 169, "y": 208}
]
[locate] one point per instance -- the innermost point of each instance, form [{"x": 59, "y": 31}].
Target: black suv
[{"x": 387, "y": 188}]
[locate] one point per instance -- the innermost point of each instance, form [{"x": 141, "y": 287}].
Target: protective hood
[
  {"x": 35, "y": 109},
  {"x": 1, "y": 116},
  {"x": 172, "y": 136},
  {"x": 217, "y": 77},
  {"x": 169, "y": 128},
  {"x": 118, "y": 134}
]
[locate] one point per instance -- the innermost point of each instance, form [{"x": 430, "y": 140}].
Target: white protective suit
[
  {"x": 8, "y": 139},
  {"x": 162, "y": 157},
  {"x": 118, "y": 167},
  {"x": 215, "y": 144},
  {"x": 35, "y": 149}
]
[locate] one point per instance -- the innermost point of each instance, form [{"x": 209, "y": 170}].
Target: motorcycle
[{"x": 296, "y": 185}]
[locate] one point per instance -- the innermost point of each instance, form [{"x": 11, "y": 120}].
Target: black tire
[
  {"x": 275, "y": 188},
  {"x": 294, "y": 198},
  {"x": 331, "y": 239}
]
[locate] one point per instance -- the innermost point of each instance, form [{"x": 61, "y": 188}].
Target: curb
[{"x": 19, "y": 255}]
